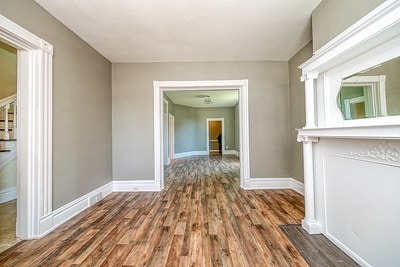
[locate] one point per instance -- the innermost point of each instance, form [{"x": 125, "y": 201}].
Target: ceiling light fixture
[{"x": 208, "y": 100}]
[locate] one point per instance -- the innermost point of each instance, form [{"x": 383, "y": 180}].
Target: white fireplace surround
[{"x": 348, "y": 163}]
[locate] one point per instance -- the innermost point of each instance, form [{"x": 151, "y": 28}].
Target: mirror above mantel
[
  {"x": 353, "y": 82},
  {"x": 371, "y": 93}
]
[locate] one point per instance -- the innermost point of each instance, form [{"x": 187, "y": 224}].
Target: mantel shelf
[{"x": 359, "y": 132}]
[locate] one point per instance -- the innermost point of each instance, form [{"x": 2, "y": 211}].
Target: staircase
[{"x": 8, "y": 129}]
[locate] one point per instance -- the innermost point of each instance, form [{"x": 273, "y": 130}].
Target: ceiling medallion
[{"x": 208, "y": 101}]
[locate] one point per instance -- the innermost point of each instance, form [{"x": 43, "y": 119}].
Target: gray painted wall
[
  {"x": 8, "y": 70},
  {"x": 332, "y": 17},
  {"x": 133, "y": 113},
  {"x": 185, "y": 129},
  {"x": 297, "y": 109},
  {"x": 81, "y": 104}
]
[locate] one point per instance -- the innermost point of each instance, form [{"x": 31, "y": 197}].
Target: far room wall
[
  {"x": 8, "y": 70},
  {"x": 191, "y": 127},
  {"x": 132, "y": 115}
]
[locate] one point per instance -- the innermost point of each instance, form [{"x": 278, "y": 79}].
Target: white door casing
[
  {"x": 165, "y": 133},
  {"x": 240, "y": 85},
  {"x": 34, "y": 131},
  {"x": 171, "y": 136}
]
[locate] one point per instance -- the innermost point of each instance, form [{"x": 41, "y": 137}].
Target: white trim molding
[
  {"x": 34, "y": 131},
  {"x": 61, "y": 215},
  {"x": 8, "y": 195},
  {"x": 231, "y": 152},
  {"x": 136, "y": 186},
  {"x": 276, "y": 183},
  {"x": 161, "y": 86},
  {"x": 373, "y": 40},
  {"x": 204, "y": 153}
]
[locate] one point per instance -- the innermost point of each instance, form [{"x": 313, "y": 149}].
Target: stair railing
[{"x": 6, "y": 104}]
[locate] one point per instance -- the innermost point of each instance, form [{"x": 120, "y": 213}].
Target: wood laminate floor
[
  {"x": 8, "y": 215},
  {"x": 317, "y": 250},
  {"x": 202, "y": 218}
]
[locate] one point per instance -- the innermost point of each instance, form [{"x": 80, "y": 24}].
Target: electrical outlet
[{"x": 226, "y": 147}]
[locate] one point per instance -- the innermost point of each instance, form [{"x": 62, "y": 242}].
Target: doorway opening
[
  {"x": 8, "y": 146},
  {"x": 215, "y": 136},
  {"x": 164, "y": 86},
  {"x": 34, "y": 129}
]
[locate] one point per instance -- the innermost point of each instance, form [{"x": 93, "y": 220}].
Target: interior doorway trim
[
  {"x": 171, "y": 136},
  {"x": 161, "y": 86},
  {"x": 34, "y": 130},
  {"x": 222, "y": 120}
]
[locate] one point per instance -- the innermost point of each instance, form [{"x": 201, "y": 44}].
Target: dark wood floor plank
[{"x": 316, "y": 249}]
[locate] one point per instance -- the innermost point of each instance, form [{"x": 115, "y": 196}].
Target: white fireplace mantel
[
  {"x": 352, "y": 167},
  {"x": 357, "y": 132}
]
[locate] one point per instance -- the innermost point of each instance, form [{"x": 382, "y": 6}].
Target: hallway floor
[
  {"x": 202, "y": 218},
  {"x": 8, "y": 215}
]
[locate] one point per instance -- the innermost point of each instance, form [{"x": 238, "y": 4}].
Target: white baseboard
[
  {"x": 8, "y": 194},
  {"x": 190, "y": 153},
  {"x": 275, "y": 183},
  {"x": 347, "y": 250},
  {"x": 51, "y": 221},
  {"x": 231, "y": 152},
  {"x": 202, "y": 153},
  {"x": 297, "y": 186},
  {"x": 136, "y": 185}
]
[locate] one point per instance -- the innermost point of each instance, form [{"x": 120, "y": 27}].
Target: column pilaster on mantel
[
  {"x": 308, "y": 79},
  {"x": 309, "y": 223}
]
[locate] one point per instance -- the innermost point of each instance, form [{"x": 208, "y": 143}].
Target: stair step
[
  {"x": 6, "y": 140},
  {"x": 5, "y": 150}
]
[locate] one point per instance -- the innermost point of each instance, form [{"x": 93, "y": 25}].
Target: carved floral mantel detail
[{"x": 381, "y": 151}]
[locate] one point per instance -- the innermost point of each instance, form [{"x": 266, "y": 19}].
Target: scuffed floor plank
[{"x": 317, "y": 250}]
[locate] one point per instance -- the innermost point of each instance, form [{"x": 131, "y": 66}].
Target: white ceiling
[
  {"x": 222, "y": 98},
  {"x": 188, "y": 30}
]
